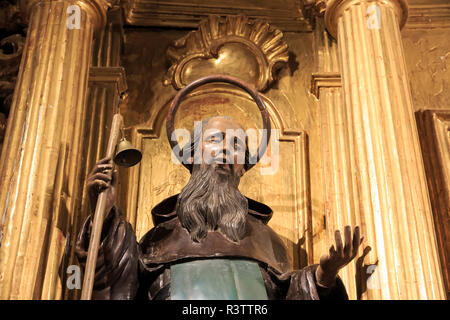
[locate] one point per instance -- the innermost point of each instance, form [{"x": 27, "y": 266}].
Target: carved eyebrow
[
  {"x": 221, "y": 134},
  {"x": 214, "y": 134}
]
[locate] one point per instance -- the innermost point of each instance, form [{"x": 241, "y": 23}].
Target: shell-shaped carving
[{"x": 246, "y": 48}]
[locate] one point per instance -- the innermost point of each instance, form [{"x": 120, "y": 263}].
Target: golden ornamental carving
[
  {"x": 313, "y": 8},
  {"x": 11, "y": 49},
  {"x": 249, "y": 49}
]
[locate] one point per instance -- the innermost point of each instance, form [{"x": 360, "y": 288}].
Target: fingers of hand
[
  {"x": 103, "y": 177},
  {"x": 99, "y": 181},
  {"x": 102, "y": 164},
  {"x": 347, "y": 241},
  {"x": 101, "y": 168},
  {"x": 332, "y": 251},
  {"x": 356, "y": 241},
  {"x": 104, "y": 160},
  {"x": 338, "y": 239},
  {"x": 99, "y": 185}
]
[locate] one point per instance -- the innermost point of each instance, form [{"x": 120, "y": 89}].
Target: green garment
[{"x": 217, "y": 279}]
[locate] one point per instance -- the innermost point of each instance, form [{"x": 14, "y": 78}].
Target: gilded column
[
  {"x": 42, "y": 147},
  {"x": 394, "y": 207},
  {"x": 107, "y": 81},
  {"x": 339, "y": 207}
]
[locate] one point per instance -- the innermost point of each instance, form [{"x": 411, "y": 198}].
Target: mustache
[
  {"x": 211, "y": 201},
  {"x": 224, "y": 161}
]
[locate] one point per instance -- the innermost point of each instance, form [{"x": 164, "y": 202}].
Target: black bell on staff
[{"x": 127, "y": 155}]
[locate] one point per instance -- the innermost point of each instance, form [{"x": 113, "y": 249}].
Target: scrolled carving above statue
[{"x": 245, "y": 48}]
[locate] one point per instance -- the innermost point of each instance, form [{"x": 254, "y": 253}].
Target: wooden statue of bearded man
[{"x": 209, "y": 241}]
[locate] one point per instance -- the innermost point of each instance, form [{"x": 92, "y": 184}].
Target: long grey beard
[{"x": 210, "y": 201}]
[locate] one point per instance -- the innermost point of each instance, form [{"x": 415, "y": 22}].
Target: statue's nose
[{"x": 226, "y": 153}]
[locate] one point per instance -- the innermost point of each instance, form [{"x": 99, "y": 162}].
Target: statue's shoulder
[{"x": 169, "y": 242}]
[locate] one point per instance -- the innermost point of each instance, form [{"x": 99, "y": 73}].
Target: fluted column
[
  {"x": 394, "y": 208},
  {"x": 107, "y": 81},
  {"x": 339, "y": 206},
  {"x": 42, "y": 151}
]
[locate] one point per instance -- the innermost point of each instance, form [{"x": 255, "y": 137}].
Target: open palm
[{"x": 338, "y": 256}]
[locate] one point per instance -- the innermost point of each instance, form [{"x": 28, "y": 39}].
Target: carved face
[
  {"x": 211, "y": 199},
  {"x": 223, "y": 146}
]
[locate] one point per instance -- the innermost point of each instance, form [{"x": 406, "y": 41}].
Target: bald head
[{"x": 221, "y": 122}]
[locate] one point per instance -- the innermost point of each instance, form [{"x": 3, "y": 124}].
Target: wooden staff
[{"x": 91, "y": 263}]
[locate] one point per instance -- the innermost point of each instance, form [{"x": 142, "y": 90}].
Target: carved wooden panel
[
  {"x": 428, "y": 14},
  {"x": 284, "y": 14},
  {"x": 434, "y": 129}
]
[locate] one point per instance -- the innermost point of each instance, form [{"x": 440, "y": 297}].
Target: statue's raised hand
[
  {"x": 338, "y": 257},
  {"x": 100, "y": 179}
]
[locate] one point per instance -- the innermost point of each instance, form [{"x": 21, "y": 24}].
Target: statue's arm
[
  {"x": 116, "y": 275},
  {"x": 300, "y": 285},
  {"x": 321, "y": 281},
  {"x": 303, "y": 285}
]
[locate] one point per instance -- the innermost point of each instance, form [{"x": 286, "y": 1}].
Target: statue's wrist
[{"x": 325, "y": 279}]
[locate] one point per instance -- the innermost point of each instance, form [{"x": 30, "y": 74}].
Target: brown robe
[{"x": 130, "y": 270}]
